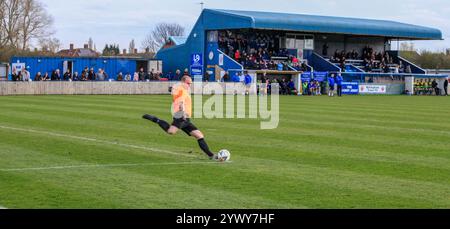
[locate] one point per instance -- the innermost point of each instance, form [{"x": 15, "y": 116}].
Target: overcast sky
[{"x": 120, "y": 21}]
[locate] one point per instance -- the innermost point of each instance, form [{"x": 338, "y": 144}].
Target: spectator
[
  {"x": 304, "y": 67},
  {"x": 237, "y": 55},
  {"x": 38, "y": 77},
  {"x": 91, "y": 75},
  {"x": 226, "y": 77},
  {"x": 67, "y": 76},
  {"x": 280, "y": 67},
  {"x": 291, "y": 87},
  {"x": 141, "y": 74},
  {"x": 158, "y": 76},
  {"x": 84, "y": 74},
  {"x": 20, "y": 76},
  {"x": 186, "y": 73},
  {"x": 408, "y": 69},
  {"x": 446, "y": 86},
  {"x": 434, "y": 85},
  {"x": 26, "y": 74},
  {"x": 236, "y": 78},
  {"x": 45, "y": 77},
  {"x": 318, "y": 88},
  {"x": 136, "y": 77},
  {"x": 14, "y": 75},
  {"x": 120, "y": 76},
  {"x": 169, "y": 76},
  {"x": 128, "y": 77},
  {"x": 101, "y": 75},
  {"x": 312, "y": 88},
  {"x": 325, "y": 50},
  {"x": 339, "y": 81},
  {"x": 75, "y": 77},
  {"x": 177, "y": 76},
  {"x": 401, "y": 67}
]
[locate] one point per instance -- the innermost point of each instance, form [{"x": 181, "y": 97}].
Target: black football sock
[
  {"x": 163, "y": 124},
  {"x": 204, "y": 146}
]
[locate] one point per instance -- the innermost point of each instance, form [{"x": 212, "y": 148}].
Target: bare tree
[
  {"x": 150, "y": 44},
  {"x": 2, "y": 16},
  {"x": 160, "y": 35},
  {"x": 52, "y": 45},
  {"x": 22, "y": 21},
  {"x": 11, "y": 22},
  {"x": 35, "y": 22}
]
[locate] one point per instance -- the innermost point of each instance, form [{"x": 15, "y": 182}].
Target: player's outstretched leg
[{"x": 163, "y": 124}]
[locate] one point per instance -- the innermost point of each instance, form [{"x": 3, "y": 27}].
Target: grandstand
[{"x": 286, "y": 45}]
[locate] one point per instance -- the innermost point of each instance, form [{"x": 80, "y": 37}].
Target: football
[{"x": 224, "y": 155}]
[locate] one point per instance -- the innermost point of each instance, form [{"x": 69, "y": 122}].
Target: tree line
[
  {"x": 22, "y": 22},
  {"x": 424, "y": 58}
]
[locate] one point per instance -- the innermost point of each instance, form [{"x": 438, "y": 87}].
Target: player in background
[
  {"x": 248, "y": 83},
  {"x": 331, "y": 84},
  {"x": 339, "y": 81},
  {"x": 182, "y": 112}
]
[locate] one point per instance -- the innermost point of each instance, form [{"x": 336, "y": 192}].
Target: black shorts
[{"x": 185, "y": 125}]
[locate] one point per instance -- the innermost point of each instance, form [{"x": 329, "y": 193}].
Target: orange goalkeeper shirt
[{"x": 182, "y": 101}]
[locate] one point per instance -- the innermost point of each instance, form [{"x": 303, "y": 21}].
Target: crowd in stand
[
  {"x": 257, "y": 51},
  {"x": 372, "y": 61},
  {"x": 87, "y": 75}
]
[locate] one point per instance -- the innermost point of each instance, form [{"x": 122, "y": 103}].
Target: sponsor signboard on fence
[
  {"x": 350, "y": 88},
  {"x": 372, "y": 89}
]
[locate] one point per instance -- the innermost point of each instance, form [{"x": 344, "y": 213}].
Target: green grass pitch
[{"x": 350, "y": 152}]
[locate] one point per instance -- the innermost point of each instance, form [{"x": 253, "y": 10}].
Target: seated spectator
[
  {"x": 312, "y": 88},
  {"x": 304, "y": 67},
  {"x": 136, "y": 77},
  {"x": 401, "y": 67}
]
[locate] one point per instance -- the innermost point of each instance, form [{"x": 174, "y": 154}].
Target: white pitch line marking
[
  {"x": 96, "y": 140},
  {"x": 102, "y": 166},
  {"x": 1, "y": 207}
]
